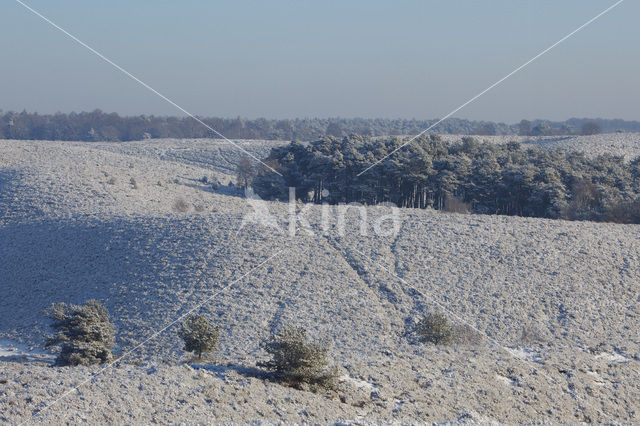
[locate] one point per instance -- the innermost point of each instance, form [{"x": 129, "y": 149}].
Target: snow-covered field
[
  {"x": 100, "y": 220},
  {"x": 625, "y": 144}
]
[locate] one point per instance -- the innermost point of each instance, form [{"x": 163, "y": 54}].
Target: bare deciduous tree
[
  {"x": 245, "y": 172},
  {"x": 590, "y": 128}
]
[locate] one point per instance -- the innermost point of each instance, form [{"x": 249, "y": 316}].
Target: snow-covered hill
[{"x": 135, "y": 226}]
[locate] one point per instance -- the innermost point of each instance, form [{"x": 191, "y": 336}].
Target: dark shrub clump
[
  {"x": 85, "y": 332},
  {"x": 199, "y": 335},
  {"x": 298, "y": 362},
  {"x": 435, "y": 328}
]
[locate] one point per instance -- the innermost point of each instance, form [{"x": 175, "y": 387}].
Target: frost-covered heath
[{"x": 135, "y": 226}]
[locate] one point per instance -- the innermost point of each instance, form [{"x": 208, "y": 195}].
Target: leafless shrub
[
  {"x": 456, "y": 205},
  {"x": 198, "y": 207},
  {"x": 133, "y": 183},
  {"x": 112, "y": 181},
  {"x": 623, "y": 212},
  {"x": 530, "y": 335},
  {"x": 180, "y": 205},
  {"x": 585, "y": 198},
  {"x": 590, "y": 128},
  {"x": 245, "y": 172},
  {"x": 466, "y": 335}
]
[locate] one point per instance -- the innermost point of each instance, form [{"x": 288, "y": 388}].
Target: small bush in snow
[
  {"x": 435, "y": 328},
  {"x": 85, "y": 332},
  {"x": 199, "y": 335},
  {"x": 530, "y": 335},
  {"x": 466, "y": 335},
  {"x": 180, "y": 205},
  {"x": 298, "y": 362}
]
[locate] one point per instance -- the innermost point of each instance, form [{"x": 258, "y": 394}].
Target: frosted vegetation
[
  {"x": 298, "y": 362},
  {"x": 199, "y": 335},
  {"x": 85, "y": 332},
  {"x": 100, "y": 126},
  {"x": 462, "y": 176},
  {"x": 544, "y": 312}
]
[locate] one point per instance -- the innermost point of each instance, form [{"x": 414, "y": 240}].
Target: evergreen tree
[
  {"x": 85, "y": 332},
  {"x": 199, "y": 335}
]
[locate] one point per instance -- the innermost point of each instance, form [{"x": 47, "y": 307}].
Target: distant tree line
[
  {"x": 100, "y": 126},
  {"x": 579, "y": 127},
  {"x": 469, "y": 175}
]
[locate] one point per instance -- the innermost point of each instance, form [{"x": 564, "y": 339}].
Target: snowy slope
[{"x": 74, "y": 226}]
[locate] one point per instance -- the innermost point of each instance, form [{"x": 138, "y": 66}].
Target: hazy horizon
[
  {"x": 177, "y": 114},
  {"x": 286, "y": 60}
]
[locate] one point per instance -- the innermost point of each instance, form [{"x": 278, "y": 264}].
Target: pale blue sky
[{"x": 287, "y": 59}]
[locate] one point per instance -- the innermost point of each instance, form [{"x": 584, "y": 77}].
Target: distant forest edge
[
  {"x": 463, "y": 177},
  {"x": 100, "y": 126}
]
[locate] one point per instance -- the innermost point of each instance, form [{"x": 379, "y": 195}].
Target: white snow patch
[
  {"x": 598, "y": 380},
  {"x": 10, "y": 350},
  {"x": 506, "y": 380},
  {"x": 615, "y": 358},
  {"x": 360, "y": 384},
  {"x": 527, "y": 354}
]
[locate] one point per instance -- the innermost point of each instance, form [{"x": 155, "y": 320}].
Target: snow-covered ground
[
  {"x": 624, "y": 144},
  {"x": 133, "y": 225}
]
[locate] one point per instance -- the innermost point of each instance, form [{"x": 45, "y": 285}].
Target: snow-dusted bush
[
  {"x": 199, "y": 335},
  {"x": 464, "y": 334},
  {"x": 85, "y": 332},
  {"x": 298, "y": 362},
  {"x": 530, "y": 335},
  {"x": 435, "y": 328},
  {"x": 180, "y": 205}
]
